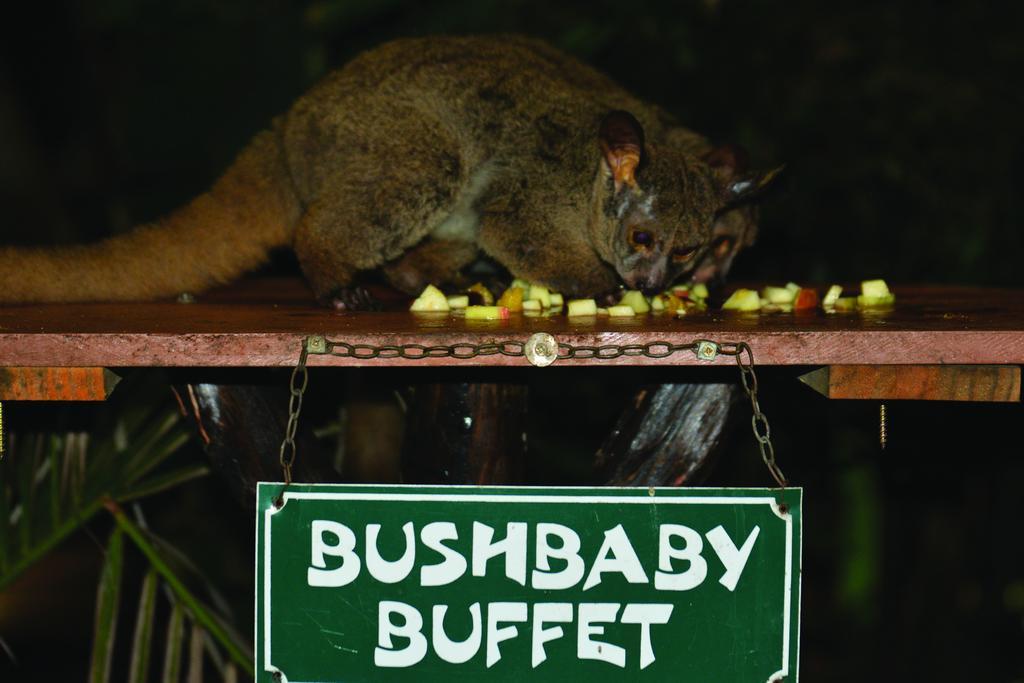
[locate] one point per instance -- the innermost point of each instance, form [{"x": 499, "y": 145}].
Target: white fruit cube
[
  {"x": 742, "y": 300},
  {"x": 621, "y": 311},
  {"x": 486, "y": 313},
  {"x": 579, "y": 307},
  {"x": 541, "y": 294},
  {"x": 876, "y": 289},
  {"x": 832, "y": 295},
  {"x": 634, "y": 299},
  {"x": 458, "y": 301},
  {"x": 780, "y": 295},
  {"x": 430, "y": 299}
]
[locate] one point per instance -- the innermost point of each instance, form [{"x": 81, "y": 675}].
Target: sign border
[{"x": 523, "y": 494}]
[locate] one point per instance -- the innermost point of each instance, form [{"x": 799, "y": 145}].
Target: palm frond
[
  {"x": 193, "y": 635},
  {"x": 108, "y": 600},
  {"x": 51, "y": 484}
]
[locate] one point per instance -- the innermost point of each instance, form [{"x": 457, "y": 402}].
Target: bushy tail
[{"x": 218, "y": 236}]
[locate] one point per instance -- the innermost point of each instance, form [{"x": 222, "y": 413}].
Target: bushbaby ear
[
  {"x": 748, "y": 185},
  {"x": 727, "y": 160},
  {"x": 622, "y": 142},
  {"x": 730, "y": 164}
]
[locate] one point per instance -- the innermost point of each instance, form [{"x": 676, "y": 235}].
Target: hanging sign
[{"x": 418, "y": 583}]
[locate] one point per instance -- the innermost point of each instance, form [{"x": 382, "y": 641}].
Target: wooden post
[
  {"x": 667, "y": 435},
  {"x": 241, "y": 427},
  {"x": 465, "y": 433}
]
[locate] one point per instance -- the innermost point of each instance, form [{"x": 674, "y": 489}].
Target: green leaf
[
  {"x": 195, "y": 655},
  {"x": 199, "y": 612},
  {"x": 162, "y": 482},
  {"x": 108, "y": 599},
  {"x": 172, "y": 649},
  {"x": 51, "y": 484},
  {"x": 138, "y": 669}
]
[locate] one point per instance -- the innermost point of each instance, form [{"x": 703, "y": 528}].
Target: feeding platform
[{"x": 263, "y": 323}]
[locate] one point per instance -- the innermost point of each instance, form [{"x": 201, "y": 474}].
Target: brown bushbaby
[{"x": 416, "y": 157}]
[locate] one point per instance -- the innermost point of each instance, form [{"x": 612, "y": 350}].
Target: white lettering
[
  {"x": 694, "y": 575},
  {"x": 548, "y": 612},
  {"x": 513, "y": 547},
  {"x": 318, "y": 574},
  {"x": 645, "y": 615},
  {"x": 616, "y": 555},
  {"x": 586, "y": 648},
  {"x": 386, "y": 655},
  {"x": 733, "y": 559},
  {"x": 451, "y": 651},
  {"x": 569, "y": 550},
  {"x": 452, "y": 566},
  {"x": 502, "y": 612},
  {"x": 384, "y": 570}
]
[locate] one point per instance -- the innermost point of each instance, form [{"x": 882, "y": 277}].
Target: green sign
[{"x": 404, "y": 583}]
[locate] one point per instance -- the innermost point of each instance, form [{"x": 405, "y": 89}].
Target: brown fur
[{"x": 413, "y": 157}]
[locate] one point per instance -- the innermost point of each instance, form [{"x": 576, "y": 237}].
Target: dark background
[{"x": 900, "y": 128}]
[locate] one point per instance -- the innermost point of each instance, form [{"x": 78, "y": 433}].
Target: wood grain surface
[
  {"x": 991, "y": 383},
  {"x": 56, "y": 384},
  {"x": 263, "y": 322}
]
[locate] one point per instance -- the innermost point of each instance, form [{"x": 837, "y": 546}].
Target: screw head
[
  {"x": 541, "y": 349},
  {"x": 707, "y": 350}
]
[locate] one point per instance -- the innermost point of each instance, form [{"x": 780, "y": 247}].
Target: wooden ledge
[
  {"x": 989, "y": 383},
  {"x": 263, "y": 323}
]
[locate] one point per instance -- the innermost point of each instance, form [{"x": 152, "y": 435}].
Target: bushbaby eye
[
  {"x": 722, "y": 246},
  {"x": 641, "y": 238},
  {"x": 683, "y": 254}
]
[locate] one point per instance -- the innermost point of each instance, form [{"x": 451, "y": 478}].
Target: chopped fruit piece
[
  {"x": 512, "y": 299},
  {"x": 521, "y": 284},
  {"x": 673, "y": 303},
  {"x": 805, "y": 299},
  {"x": 541, "y": 294},
  {"x": 658, "y": 302},
  {"x": 430, "y": 299},
  {"x": 582, "y": 307},
  {"x": 458, "y": 301},
  {"x": 699, "y": 291},
  {"x": 635, "y": 300},
  {"x": 532, "y": 305},
  {"x": 621, "y": 311},
  {"x": 486, "y": 313},
  {"x": 779, "y": 295},
  {"x": 602, "y": 311},
  {"x": 846, "y": 304},
  {"x": 682, "y": 291},
  {"x": 831, "y": 296},
  {"x": 485, "y": 294},
  {"x": 688, "y": 307},
  {"x": 875, "y": 289},
  {"x": 742, "y": 300},
  {"x": 793, "y": 287},
  {"x": 556, "y": 299},
  {"x": 865, "y": 301}
]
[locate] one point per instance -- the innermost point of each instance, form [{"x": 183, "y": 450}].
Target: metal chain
[
  {"x": 758, "y": 422},
  {"x": 297, "y": 386},
  {"x": 706, "y": 350}
]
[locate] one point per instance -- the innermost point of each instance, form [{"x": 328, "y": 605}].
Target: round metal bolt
[{"x": 541, "y": 349}]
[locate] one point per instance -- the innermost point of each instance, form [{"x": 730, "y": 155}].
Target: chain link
[
  {"x": 705, "y": 350},
  {"x": 758, "y": 422},
  {"x": 297, "y": 387}
]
